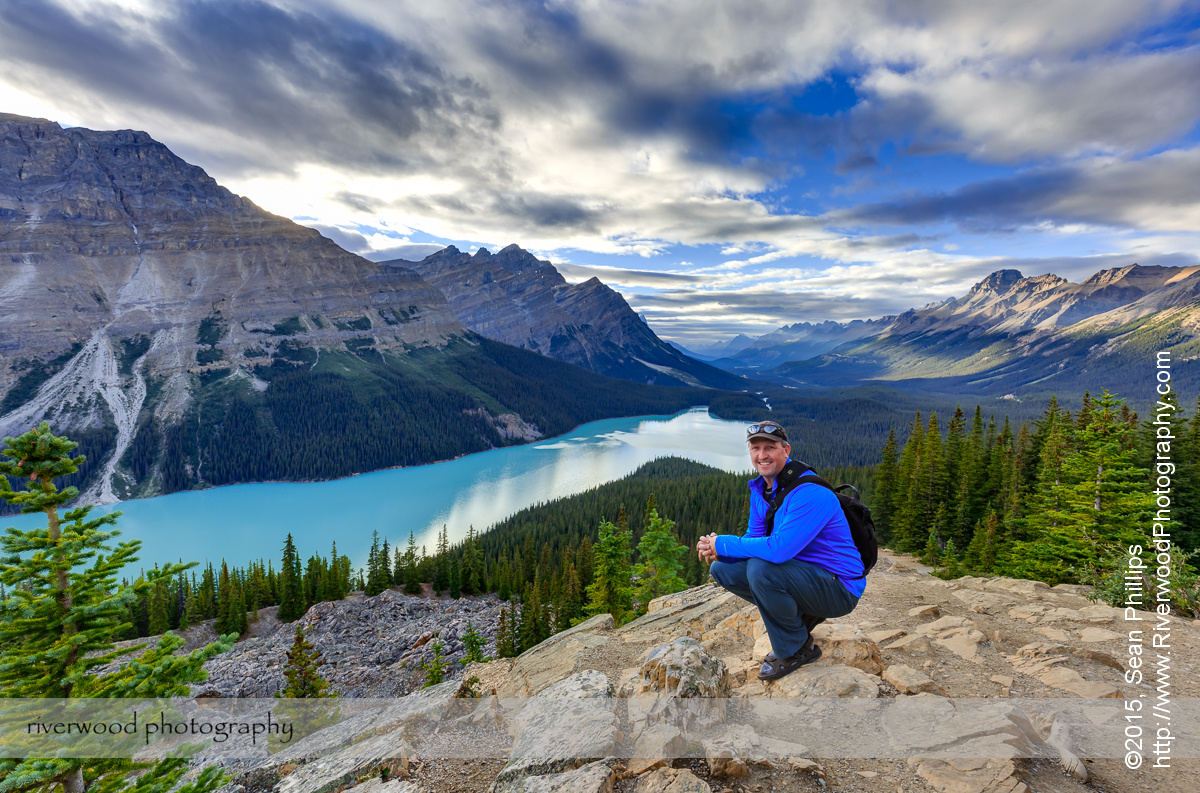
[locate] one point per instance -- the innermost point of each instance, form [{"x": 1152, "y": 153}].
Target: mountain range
[
  {"x": 1009, "y": 333},
  {"x": 513, "y": 297},
  {"x": 186, "y": 337}
]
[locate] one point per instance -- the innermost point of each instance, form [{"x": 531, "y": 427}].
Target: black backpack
[{"x": 858, "y": 515}]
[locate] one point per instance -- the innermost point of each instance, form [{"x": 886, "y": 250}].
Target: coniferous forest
[{"x": 1058, "y": 499}]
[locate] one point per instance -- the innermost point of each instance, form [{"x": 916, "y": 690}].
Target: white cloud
[{"x": 594, "y": 126}]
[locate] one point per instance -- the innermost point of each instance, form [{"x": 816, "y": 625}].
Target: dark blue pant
[{"x": 785, "y": 594}]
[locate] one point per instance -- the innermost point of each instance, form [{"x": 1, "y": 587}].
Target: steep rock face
[
  {"x": 513, "y": 297},
  {"x": 111, "y": 231},
  {"x": 186, "y": 338}
]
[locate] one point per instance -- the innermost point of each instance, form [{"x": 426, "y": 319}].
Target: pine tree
[
  {"x": 955, "y": 448},
  {"x": 226, "y": 621},
  {"x": 302, "y": 678},
  {"x": 611, "y": 591},
  {"x": 502, "y": 587},
  {"x": 932, "y": 554},
  {"x": 240, "y": 621},
  {"x": 385, "y": 565},
  {"x": 441, "y": 570},
  {"x": 455, "y": 578},
  {"x": 378, "y": 578},
  {"x": 951, "y": 565},
  {"x": 1098, "y": 507},
  {"x": 412, "y": 571},
  {"x": 583, "y": 562},
  {"x": 660, "y": 556},
  {"x": 980, "y": 557},
  {"x": 1187, "y": 500},
  {"x": 435, "y": 668},
  {"x": 969, "y": 498},
  {"x": 527, "y": 630},
  {"x": 159, "y": 620},
  {"x": 908, "y": 497},
  {"x": 291, "y": 595},
  {"x": 187, "y": 598},
  {"x": 885, "y": 498},
  {"x": 398, "y": 574},
  {"x": 472, "y": 565},
  {"x": 473, "y": 645},
  {"x": 504, "y": 636},
  {"x": 63, "y": 611},
  {"x": 572, "y": 606}
]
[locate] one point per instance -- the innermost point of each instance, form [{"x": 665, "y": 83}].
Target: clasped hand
[{"x": 706, "y": 548}]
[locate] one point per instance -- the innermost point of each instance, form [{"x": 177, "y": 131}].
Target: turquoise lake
[{"x": 243, "y": 522}]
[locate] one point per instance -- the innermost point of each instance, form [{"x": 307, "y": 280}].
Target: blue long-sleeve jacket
[{"x": 809, "y": 525}]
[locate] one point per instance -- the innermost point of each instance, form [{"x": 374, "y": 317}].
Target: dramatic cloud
[
  {"x": 851, "y": 159},
  {"x": 1158, "y": 193},
  {"x": 619, "y": 276}
]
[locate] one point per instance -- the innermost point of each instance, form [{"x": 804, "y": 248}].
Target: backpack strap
[{"x": 787, "y": 481}]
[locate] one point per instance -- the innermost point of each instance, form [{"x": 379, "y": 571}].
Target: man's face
[{"x": 768, "y": 456}]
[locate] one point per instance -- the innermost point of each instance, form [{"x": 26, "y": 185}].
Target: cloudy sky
[{"x": 728, "y": 166}]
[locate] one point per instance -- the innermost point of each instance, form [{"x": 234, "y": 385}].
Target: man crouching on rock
[{"x": 800, "y": 572}]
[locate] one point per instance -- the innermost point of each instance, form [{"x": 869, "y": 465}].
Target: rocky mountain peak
[
  {"x": 119, "y": 262},
  {"x": 514, "y": 297},
  {"x": 125, "y": 189},
  {"x": 998, "y": 282}
]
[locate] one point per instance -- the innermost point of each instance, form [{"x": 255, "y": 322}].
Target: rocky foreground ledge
[{"x": 970, "y": 686}]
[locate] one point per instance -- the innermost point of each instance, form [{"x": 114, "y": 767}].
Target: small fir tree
[
  {"x": 473, "y": 643},
  {"x": 661, "y": 557},
  {"x": 412, "y": 570},
  {"x": 504, "y": 636},
  {"x": 291, "y": 595},
  {"x": 301, "y": 673},
  {"x": 435, "y": 668},
  {"x": 62, "y": 613},
  {"x": 302, "y": 680},
  {"x": 611, "y": 591}
]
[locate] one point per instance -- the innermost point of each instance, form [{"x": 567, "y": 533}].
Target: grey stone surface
[
  {"x": 371, "y": 646},
  {"x": 672, "y": 780},
  {"x": 825, "y": 681},
  {"x": 553, "y": 659},
  {"x": 326, "y": 773},
  {"x": 596, "y": 777},
  {"x": 569, "y": 724},
  {"x": 681, "y": 685}
]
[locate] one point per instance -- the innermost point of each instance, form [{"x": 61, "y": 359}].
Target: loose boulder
[{"x": 845, "y": 644}]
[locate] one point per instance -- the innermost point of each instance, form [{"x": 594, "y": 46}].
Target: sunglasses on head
[{"x": 770, "y": 429}]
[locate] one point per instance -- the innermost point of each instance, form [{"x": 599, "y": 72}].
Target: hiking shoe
[
  {"x": 773, "y": 668},
  {"x": 806, "y": 647}
]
